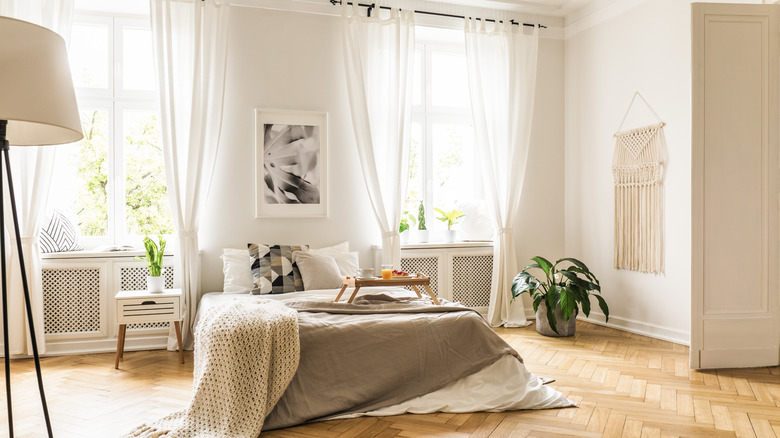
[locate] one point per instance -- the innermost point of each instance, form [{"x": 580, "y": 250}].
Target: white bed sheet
[{"x": 505, "y": 385}]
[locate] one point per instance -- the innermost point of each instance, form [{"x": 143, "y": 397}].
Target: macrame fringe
[{"x": 637, "y": 168}]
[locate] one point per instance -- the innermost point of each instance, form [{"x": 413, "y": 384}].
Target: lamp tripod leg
[
  {"x": 26, "y": 289},
  {"x": 6, "y": 353}
]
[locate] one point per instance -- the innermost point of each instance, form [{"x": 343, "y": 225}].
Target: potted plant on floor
[
  {"x": 450, "y": 217},
  {"x": 557, "y": 298},
  {"x": 155, "y": 282}
]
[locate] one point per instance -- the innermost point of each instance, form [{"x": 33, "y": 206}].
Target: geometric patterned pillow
[
  {"x": 273, "y": 268},
  {"x": 59, "y": 235}
]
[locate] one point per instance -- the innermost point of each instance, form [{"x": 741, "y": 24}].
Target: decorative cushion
[
  {"x": 348, "y": 262},
  {"x": 59, "y": 235},
  {"x": 236, "y": 265},
  {"x": 273, "y": 268},
  {"x": 319, "y": 271},
  {"x": 339, "y": 247}
]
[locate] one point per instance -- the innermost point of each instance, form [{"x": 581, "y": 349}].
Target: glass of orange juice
[{"x": 387, "y": 272}]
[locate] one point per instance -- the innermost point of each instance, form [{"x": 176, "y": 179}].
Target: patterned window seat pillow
[
  {"x": 273, "y": 268},
  {"x": 59, "y": 235}
]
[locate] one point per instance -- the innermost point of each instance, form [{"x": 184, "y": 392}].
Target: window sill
[
  {"x": 435, "y": 245},
  {"x": 464, "y": 244},
  {"x": 96, "y": 254}
]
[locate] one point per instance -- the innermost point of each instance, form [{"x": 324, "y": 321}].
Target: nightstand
[{"x": 140, "y": 306}]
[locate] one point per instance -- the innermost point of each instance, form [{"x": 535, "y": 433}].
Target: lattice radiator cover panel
[
  {"x": 425, "y": 265},
  {"x": 471, "y": 277},
  {"x": 134, "y": 278},
  {"x": 71, "y": 300}
]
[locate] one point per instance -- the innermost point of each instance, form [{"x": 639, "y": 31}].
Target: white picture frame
[{"x": 291, "y": 164}]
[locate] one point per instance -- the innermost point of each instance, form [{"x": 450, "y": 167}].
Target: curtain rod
[{"x": 438, "y": 14}]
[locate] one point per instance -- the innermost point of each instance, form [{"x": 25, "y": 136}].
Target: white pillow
[
  {"x": 339, "y": 247},
  {"x": 237, "y": 267},
  {"x": 348, "y": 262},
  {"x": 319, "y": 271}
]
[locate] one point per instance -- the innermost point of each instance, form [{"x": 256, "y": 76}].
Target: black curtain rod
[{"x": 438, "y": 14}]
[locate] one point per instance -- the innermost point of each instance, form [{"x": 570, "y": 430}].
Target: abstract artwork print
[
  {"x": 291, "y": 170},
  {"x": 291, "y": 164}
]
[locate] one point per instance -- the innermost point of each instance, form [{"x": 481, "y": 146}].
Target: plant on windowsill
[
  {"x": 155, "y": 282},
  {"x": 450, "y": 217},
  {"x": 557, "y": 299},
  {"x": 404, "y": 228},
  {"x": 422, "y": 230}
]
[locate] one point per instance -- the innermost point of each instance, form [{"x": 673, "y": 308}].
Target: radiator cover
[
  {"x": 74, "y": 301},
  {"x": 71, "y": 300}
]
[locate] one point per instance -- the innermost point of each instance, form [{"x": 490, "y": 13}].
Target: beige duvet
[{"x": 379, "y": 351}]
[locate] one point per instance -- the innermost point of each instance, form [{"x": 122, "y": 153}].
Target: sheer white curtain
[
  {"x": 190, "y": 41},
  {"x": 378, "y": 57},
  {"x": 32, "y": 168},
  {"x": 502, "y": 80}
]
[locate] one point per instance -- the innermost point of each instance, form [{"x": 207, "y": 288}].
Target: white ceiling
[{"x": 555, "y": 8}]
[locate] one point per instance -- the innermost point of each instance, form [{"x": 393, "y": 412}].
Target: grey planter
[{"x": 564, "y": 328}]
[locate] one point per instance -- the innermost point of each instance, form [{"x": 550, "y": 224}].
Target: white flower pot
[
  {"x": 449, "y": 236},
  {"x": 405, "y": 237},
  {"x": 155, "y": 284},
  {"x": 420, "y": 236}
]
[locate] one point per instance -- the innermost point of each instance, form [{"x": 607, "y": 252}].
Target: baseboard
[
  {"x": 61, "y": 348},
  {"x": 632, "y": 326}
]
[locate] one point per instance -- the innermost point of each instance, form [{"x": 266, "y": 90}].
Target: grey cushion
[
  {"x": 273, "y": 268},
  {"x": 319, "y": 271}
]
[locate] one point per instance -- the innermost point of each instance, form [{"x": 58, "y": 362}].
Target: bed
[
  {"x": 463, "y": 366},
  {"x": 387, "y": 353}
]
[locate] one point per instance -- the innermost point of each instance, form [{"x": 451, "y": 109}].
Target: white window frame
[
  {"x": 428, "y": 114},
  {"x": 116, "y": 100}
]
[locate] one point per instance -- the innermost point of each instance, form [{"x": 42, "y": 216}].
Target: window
[
  {"x": 442, "y": 161},
  {"x": 112, "y": 183}
]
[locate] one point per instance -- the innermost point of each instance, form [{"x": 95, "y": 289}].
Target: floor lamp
[{"x": 37, "y": 108}]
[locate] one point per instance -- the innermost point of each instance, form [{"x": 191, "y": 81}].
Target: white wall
[
  {"x": 282, "y": 60},
  {"x": 540, "y": 223},
  {"x": 630, "y": 46},
  {"x": 290, "y": 60}
]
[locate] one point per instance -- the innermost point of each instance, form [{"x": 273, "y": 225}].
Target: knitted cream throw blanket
[{"x": 245, "y": 355}]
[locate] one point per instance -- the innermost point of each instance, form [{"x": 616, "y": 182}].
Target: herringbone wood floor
[{"x": 626, "y": 385}]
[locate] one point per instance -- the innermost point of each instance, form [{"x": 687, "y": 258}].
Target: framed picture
[{"x": 291, "y": 164}]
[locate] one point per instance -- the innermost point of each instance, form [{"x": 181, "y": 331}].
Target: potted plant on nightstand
[
  {"x": 155, "y": 282},
  {"x": 450, "y": 217},
  {"x": 557, "y": 298}
]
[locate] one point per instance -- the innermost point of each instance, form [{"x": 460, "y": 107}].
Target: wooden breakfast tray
[{"x": 414, "y": 280}]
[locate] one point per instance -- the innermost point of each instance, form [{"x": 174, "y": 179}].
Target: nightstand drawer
[{"x": 151, "y": 309}]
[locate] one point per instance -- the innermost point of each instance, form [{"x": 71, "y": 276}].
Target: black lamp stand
[{"x": 4, "y": 157}]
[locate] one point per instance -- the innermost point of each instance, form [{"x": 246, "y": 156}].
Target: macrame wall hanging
[{"x": 637, "y": 167}]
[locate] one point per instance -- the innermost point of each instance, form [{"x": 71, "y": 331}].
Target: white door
[{"x": 735, "y": 194}]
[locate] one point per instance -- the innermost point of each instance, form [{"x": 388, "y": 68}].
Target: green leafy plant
[
  {"x": 154, "y": 256},
  {"x": 451, "y": 217},
  {"x": 421, "y": 217},
  {"x": 406, "y": 219},
  {"x": 570, "y": 288}
]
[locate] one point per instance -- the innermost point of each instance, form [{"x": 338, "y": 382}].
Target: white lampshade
[{"x": 36, "y": 90}]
